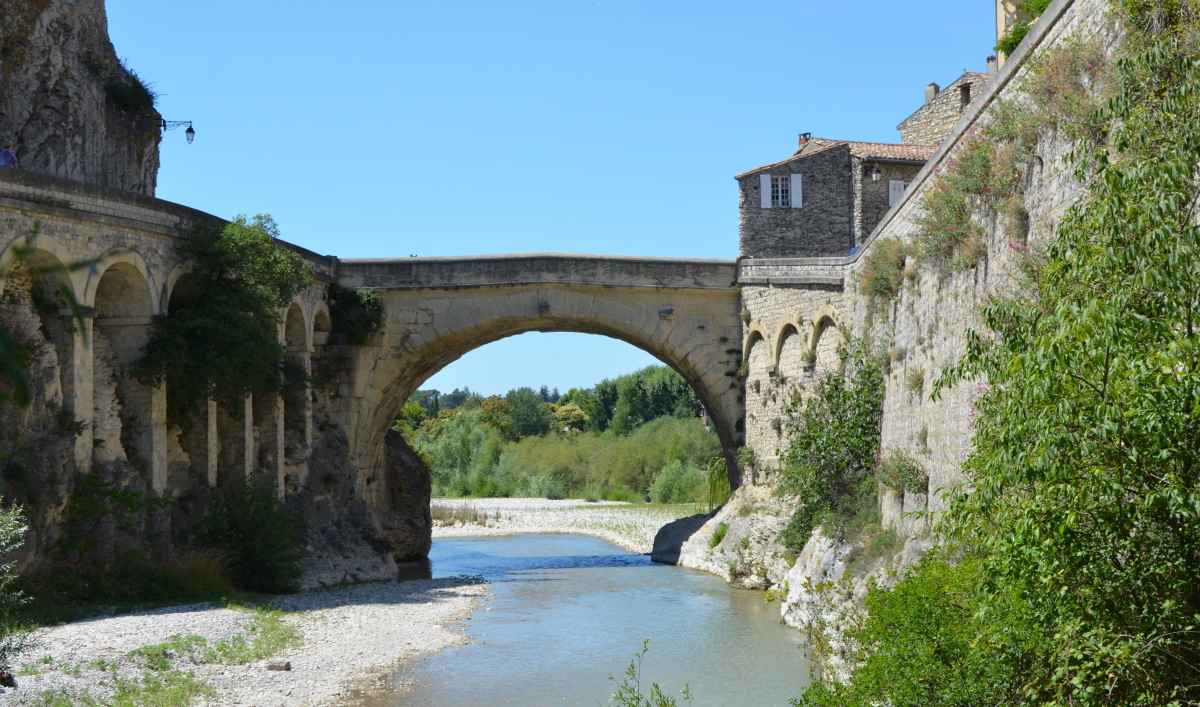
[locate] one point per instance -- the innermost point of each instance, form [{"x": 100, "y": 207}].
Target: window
[
  {"x": 780, "y": 191},
  {"x": 896, "y": 189},
  {"x": 964, "y": 96}
]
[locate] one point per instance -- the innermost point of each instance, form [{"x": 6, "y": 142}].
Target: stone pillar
[
  {"x": 79, "y": 374},
  {"x": 158, "y": 438},
  {"x": 268, "y": 434},
  {"x": 235, "y": 450},
  {"x": 212, "y": 443}
]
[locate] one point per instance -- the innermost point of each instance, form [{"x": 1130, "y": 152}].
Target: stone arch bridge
[{"x": 685, "y": 312}]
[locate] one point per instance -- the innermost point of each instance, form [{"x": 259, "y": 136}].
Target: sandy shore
[
  {"x": 632, "y": 526},
  {"x": 350, "y": 638}
]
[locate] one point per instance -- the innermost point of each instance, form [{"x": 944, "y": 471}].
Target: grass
[
  {"x": 266, "y": 635},
  {"x": 170, "y": 689},
  {"x": 466, "y": 513},
  {"x": 718, "y": 534}
]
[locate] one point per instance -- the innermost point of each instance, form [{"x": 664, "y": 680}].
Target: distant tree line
[{"x": 638, "y": 437}]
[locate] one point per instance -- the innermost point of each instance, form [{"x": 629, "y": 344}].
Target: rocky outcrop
[{"x": 67, "y": 101}]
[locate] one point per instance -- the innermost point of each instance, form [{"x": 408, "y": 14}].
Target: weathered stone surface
[
  {"x": 408, "y": 523},
  {"x": 56, "y": 60},
  {"x": 669, "y": 539}
]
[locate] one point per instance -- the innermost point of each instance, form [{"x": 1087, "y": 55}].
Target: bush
[
  {"x": 677, "y": 483},
  {"x": 833, "y": 442},
  {"x": 355, "y": 313},
  {"x": 129, "y": 93},
  {"x": 883, "y": 270},
  {"x": 261, "y": 538},
  {"x": 899, "y": 471},
  {"x": 13, "y": 639}
]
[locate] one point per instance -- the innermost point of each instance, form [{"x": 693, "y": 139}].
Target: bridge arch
[{"x": 684, "y": 313}]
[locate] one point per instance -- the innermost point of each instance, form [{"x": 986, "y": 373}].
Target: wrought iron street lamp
[{"x": 190, "y": 132}]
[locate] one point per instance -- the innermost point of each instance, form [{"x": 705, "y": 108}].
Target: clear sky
[{"x": 374, "y": 129}]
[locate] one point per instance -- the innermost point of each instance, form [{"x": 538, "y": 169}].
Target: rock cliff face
[{"x": 67, "y": 102}]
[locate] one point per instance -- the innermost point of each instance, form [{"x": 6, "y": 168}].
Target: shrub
[
  {"x": 833, "y": 440},
  {"x": 129, "y": 93},
  {"x": 882, "y": 271},
  {"x": 355, "y": 313},
  {"x": 899, "y": 471},
  {"x": 677, "y": 483},
  {"x": 13, "y": 639},
  {"x": 261, "y": 538},
  {"x": 718, "y": 534}
]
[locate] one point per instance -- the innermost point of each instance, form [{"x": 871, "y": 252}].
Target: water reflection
[{"x": 568, "y": 610}]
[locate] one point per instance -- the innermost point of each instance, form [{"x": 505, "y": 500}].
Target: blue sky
[{"x": 376, "y": 129}]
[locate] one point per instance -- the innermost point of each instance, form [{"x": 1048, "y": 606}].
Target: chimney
[
  {"x": 804, "y": 138},
  {"x": 991, "y": 65},
  {"x": 931, "y": 92}
]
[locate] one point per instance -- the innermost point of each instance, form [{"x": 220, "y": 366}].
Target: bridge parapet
[{"x": 538, "y": 269}]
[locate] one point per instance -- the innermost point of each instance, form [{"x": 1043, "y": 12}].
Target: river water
[{"x": 568, "y": 610}]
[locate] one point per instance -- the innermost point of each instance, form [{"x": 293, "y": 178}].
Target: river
[{"x": 568, "y": 610}]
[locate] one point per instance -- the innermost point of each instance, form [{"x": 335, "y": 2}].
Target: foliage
[
  {"x": 219, "y": 341},
  {"x": 72, "y": 591},
  {"x": 529, "y": 414},
  {"x": 259, "y": 535},
  {"x": 1028, "y": 11},
  {"x": 469, "y": 456},
  {"x": 13, "y": 638},
  {"x": 883, "y": 270},
  {"x": 355, "y": 313},
  {"x": 168, "y": 689},
  {"x": 14, "y": 356},
  {"x": 568, "y": 418},
  {"x": 931, "y": 641},
  {"x": 678, "y": 483},
  {"x": 1073, "y": 577},
  {"x": 129, "y": 93},
  {"x": 629, "y": 693},
  {"x": 718, "y": 534},
  {"x": 834, "y": 438},
  {"x": 409, "y": 419},
  {"x": 717, "y": 491},
  {"x": 899, "y": 471},
  {"x": 97, "y": 501}
]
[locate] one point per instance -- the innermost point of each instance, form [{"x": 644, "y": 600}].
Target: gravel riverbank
[
  {"x": 350, "y": 637},
  {"x": 630, "y": 525}
]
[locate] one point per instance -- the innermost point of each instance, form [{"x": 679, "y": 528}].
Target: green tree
[
  {"x": 409, "y": 419},
  {"x": 568, "y": 417},
  {"x": 260, "y": 536},
  {"x": 529, "y": 413},
  {"x": 219, "y": 341}
]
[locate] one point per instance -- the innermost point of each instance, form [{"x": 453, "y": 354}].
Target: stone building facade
[
  {"x": 935, "y": 120},
  {"x": 823, "y": 200}
]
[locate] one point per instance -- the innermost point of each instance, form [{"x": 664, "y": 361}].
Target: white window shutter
[
  {"x": 764, "y": 185},
  {"x": 797, "y": 191},
  {"x": 895, "y": 191}
]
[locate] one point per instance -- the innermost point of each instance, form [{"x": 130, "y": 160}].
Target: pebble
[{"x": 351, "y": 635}]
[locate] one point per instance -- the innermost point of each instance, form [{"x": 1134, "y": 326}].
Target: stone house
[
  {"x": 935, "y": 120},
  {"x": 827, "y": 198}
]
